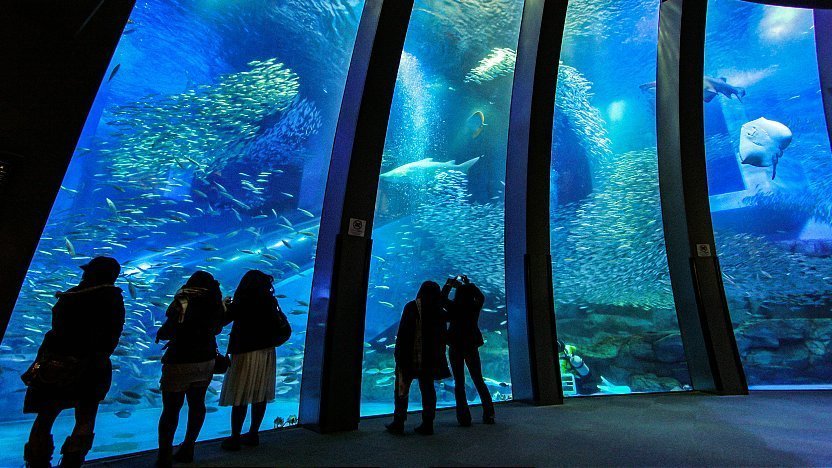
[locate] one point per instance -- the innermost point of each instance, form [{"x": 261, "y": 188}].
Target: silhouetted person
[
  {"x": 259, "y": 326},
  {"x": 72, "y": 368},
  {"x": 194, "y": 318},
  {"x": 464, "y": 341},
  {"x": 420, "y": 355}
]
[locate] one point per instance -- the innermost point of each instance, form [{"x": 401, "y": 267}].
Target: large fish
[
  {"x": 762, "y": 143},
  {"x": 710, "y": 88},
  {"x": 713, "y": 86},
  {"x": 425, "y": 169}
]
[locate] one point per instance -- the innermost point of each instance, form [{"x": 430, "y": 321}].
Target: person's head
[
  {"x": 202, "y": 279},
  {"x": 255, "y": 284},
  {"x": 429, "y": 294},
  {"x": 101, "y": 270}
]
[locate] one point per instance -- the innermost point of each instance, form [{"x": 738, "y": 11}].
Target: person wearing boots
[
  {"x": 464, "y": 341},
  {"x": 420, "y": 355},
  {"x": 72, "y": 368}
]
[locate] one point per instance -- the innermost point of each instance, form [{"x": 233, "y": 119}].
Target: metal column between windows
[
  {"x": 706, "y": 328},
  {"x": 535, "y": 369},
  {"x": 330, "y": 396}
]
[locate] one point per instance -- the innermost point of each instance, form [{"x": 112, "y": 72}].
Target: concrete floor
[{"x": 763, "y": 429}]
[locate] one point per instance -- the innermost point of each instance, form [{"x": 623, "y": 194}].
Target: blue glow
[
  {"x": 613, "y": 303},
  {"x": 207, "y": 148},
  {"x": 441, "y": 217},
  {"x": 773, "y": 229}
]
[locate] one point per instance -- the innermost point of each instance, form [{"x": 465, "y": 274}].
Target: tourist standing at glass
[
  {"x": 72, "y": 368},
  {"x": 259, "y": 327},
  {"x": 464, "y": 341},
  {"x": 420, "y": 355},
  {"x": 194, "y": 319}
]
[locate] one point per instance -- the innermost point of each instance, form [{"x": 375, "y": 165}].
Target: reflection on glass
[
  {"x": 439, "y": 210},
  {"x": 207, "y": 148},
  {"x": 769, "y": 173},
  {"x": 616, "y": 320}
]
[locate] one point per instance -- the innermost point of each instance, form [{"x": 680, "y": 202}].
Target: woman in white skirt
[{"x": 259, "y": 326}]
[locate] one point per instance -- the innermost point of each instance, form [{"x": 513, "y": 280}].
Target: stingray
[
  {"x": 762, "y": 143},
  {"x": 475, "y": 124}
]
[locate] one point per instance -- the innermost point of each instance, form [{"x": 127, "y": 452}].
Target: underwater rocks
[{"x": 789, "y": 351}]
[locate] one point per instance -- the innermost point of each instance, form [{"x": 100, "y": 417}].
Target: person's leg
[
  {"x": 401, "y": 391},
  {"x": 171, "y": 406},
  {"x": 196, "y": 417},
  {"x": 472, "y": 359},
  {"x": 196, "y": 412},
  {"x": 78, "y": 444},
  {"x": 457, "y": 359},
  {"x": 238, "y": 417},
  {"x": 258, "y": 412},
  {"x": 38, "y": 450},
  {"x": 428, "y": 391}
]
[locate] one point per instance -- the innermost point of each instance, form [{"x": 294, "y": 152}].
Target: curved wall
[
  {"x": 612, "y": 292},
  {"x": 439, "y": 210},
  {"x": 207, "y": 148},
  {"x": 769, "y": 166}
]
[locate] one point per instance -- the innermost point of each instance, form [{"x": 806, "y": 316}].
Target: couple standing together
[{"x": 429, "y": 323}]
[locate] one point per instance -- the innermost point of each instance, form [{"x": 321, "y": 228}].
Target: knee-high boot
[
  {"x": 75, "y": 450},
  {"x": 39, "y": 454}
]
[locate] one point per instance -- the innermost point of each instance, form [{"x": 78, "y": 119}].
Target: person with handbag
[
  {"x": 420, "y": 355},
  {"x": 72, "y": 368},
  {"x": 193, "y": 320},
  {"x": 259, "y": 327}
]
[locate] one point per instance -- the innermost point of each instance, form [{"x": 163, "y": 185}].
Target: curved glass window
[
  {"x": 769, "y": 172},
  {"x": 615, "y": 312},
  {"x": 207, "y": 148},
  {"x": 439, "y": 210}
]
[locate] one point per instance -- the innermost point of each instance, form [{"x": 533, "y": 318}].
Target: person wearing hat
[{"x": 72, "y": 368}]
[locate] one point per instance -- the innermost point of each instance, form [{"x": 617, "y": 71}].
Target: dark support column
[
  {"x": 707, "y": 332},
  {"x": 53, "y": 57},
  {"x": 331, "y": 384},
  {"x": 535, "y": 369},
  {"x": 823, "y": 42}
]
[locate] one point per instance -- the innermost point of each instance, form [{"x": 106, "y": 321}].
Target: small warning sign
[
  {"x": 703, "y": 250},
  {"x": 357, "y": 227}
]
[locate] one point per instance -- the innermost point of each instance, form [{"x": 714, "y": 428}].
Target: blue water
[
  {"x": 208, "y": 147},
  {"x": 774, "y": 236}
]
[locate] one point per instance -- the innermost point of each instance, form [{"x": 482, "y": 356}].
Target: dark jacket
[
  {"x": 434, "y": 364},
  {"x": 463, "y": 318},
  {"x": 194, "y": 319},
  {"x": 256, "y": 325},
  {"x": 87, "y": 322}
]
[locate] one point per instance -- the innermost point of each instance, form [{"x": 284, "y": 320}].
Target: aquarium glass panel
[
  {"x": 207, "y": 148},
  {"x": 439, "y": 210},
  {"x": 615, "y": 312},
  {"x": 770, "y": 181}
]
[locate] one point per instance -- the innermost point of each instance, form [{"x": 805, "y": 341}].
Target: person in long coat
[
  {"x": 420, "y": 355},
  {"x": 87, "y": 321}
]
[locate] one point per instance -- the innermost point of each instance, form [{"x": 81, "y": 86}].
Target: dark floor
[{"x": 763, "y": 429}]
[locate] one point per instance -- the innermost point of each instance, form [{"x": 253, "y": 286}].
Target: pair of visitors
[
  {"x": 194, "y": 318},
  {"x": 420, "y": 351}
]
